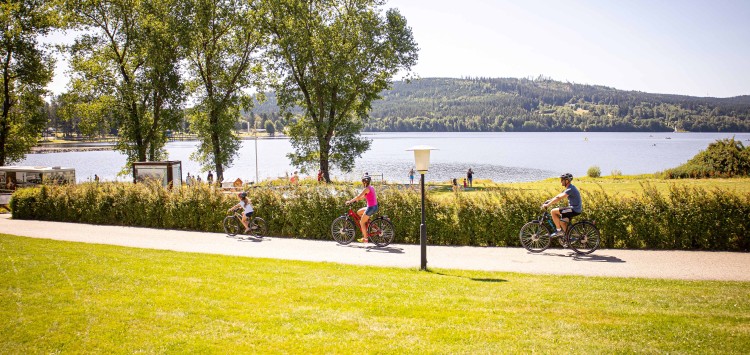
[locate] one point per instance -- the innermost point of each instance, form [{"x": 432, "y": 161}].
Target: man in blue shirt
[{"x": 574, "y": 208}]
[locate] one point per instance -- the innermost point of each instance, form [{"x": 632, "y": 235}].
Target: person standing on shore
[
  {"x": 96, "y": 178},
  {"x": 470, "y": 177},
  {"x": 188, "y": 180},
  {"x": 210, "y": 178},
  {"x": 411, "y": 176}
]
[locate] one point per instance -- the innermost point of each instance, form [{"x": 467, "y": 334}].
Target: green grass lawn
[
  {"x": 624, "y": 185},
  {"x": 60, "y": 297}
]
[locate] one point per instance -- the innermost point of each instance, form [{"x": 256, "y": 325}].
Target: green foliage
[
  {"x": 222, "y": 41},
  {"x": 594, "y": 171},
  {"x": 723, "y": 158},
  {"x": 26, "y": 67},
  {"x": 542, "y": 104},
  {"x": 334, "y": 58},
  {"x": 125, "y": 74},
  {"x": 681, "y": 218}
]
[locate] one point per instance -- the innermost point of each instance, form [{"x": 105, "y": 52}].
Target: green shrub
[
  {"x": 723, "y": 158},
  {"x": 688, "y": 218},
  {"x": 594, "y": 172}
]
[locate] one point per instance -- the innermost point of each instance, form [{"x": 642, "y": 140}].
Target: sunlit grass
[
  {"x": 83, "y": 298},
  {"x": 625, "y": 185}
]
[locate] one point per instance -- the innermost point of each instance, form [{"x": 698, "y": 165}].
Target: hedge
[{"x": 684, "y": 218}]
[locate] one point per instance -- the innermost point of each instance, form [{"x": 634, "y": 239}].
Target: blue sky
[{"x": 698, "y": 48}]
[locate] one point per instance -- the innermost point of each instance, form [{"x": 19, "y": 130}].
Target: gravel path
[{"x": 685, "y": 265}]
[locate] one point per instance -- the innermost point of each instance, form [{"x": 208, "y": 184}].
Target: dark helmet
[
  {"x": 242, "y": 195},
  {"x": 567, "y": 176},
  {"x": 367, "y": 179}
]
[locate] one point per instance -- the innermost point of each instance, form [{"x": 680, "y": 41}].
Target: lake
[{"x": 502, "y": 157}]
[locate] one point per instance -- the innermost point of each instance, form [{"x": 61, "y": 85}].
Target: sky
[
  {"x": 688, "y": 47},
  {"x": 697, "y": 48}
]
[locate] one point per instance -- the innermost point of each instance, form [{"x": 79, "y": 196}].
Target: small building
[
  {"x": 168, "y": 172},
  {"x": 13, "y": 177}
]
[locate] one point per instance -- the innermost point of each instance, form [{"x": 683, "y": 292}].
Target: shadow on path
[
  {"x": 374, "y": 248},
  {"x": 589, "y": 257}
]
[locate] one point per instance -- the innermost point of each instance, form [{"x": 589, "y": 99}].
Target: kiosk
[{"x": 168, "y": 172}]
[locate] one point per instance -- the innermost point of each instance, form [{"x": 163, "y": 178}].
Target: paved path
[{"x": 688, "y": 265}]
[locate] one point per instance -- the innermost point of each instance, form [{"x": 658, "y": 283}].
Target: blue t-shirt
[{"x": 574, "y": 198}]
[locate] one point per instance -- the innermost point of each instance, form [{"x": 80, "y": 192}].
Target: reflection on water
[{"x": 503, "y": 157}]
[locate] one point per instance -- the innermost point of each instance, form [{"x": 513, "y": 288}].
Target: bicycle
[
  {"x": 233, "y": 225},
  {"x": 345, "y": 227},
  {"x": 583, "y": 236}
]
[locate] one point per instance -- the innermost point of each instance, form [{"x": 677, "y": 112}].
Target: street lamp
[
  {"x": 422, "y": 162},
  {"x": 255, "y": 130}
]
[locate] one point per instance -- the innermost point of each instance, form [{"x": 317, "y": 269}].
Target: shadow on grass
[{"x": 469, "y": 278}]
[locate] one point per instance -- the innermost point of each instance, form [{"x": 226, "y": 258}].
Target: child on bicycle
[
  {"x": 368, "y": 193},
  {"x": 574, "y": 208},
  {"x": 245, "y": 204}
]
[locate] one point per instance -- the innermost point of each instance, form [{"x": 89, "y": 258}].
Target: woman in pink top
[{"x": 372, "y": 206}]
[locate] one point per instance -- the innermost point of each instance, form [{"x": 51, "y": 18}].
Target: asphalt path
[{"x": 682, "y": 265}]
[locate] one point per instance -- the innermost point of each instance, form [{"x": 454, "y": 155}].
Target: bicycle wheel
[
  {"x": 534, "y": 237},
  {"x": 258, "y": 227},
  {"x": 584, "y": 237},
  {"x": 232, "y": 225},
  {"x": 343, "y": 230},
  {"x": 381, "y": 231}
]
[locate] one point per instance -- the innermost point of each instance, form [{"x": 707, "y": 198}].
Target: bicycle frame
[{"x": 547, "y": 217}]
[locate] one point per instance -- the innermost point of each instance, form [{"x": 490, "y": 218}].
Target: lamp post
[
  {"x": 422, "y": 162},
  {"x": 255, "y": 130}
]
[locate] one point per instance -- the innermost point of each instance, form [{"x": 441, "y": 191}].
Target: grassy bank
[
  {"x": 631, "y": 185},
  {"x": 84, "y": 298}
]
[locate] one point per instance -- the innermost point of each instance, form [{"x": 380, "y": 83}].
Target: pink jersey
[{"x": 372, "y": 199}]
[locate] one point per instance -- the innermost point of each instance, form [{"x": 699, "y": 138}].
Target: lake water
[{"x": 502, "y": 157}]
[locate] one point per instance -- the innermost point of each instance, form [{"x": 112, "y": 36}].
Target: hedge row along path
[{"x": 684, "y": 265}]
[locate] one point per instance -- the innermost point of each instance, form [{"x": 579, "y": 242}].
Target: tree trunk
[
  {"x": 215, "y": 143},
  {"x": 4, "y": 120},
  {"x": 325, "y": 151}
]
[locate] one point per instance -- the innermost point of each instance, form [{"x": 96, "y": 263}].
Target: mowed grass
[
  {"x": 630, "y": 185},
  {"x": 61, "y": 297}
]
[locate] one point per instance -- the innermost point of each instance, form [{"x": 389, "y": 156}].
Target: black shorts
[
  {"x": 567, "y": 212},
  {"x": 249, "y": 214}
]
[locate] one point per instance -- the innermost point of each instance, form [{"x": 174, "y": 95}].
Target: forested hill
[{"x": 542, "y": 104}]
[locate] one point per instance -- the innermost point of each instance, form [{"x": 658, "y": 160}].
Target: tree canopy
[
  {"x": 27, "y": 68},
  {"x": 223, "y": 51},
  {"x": 125, "y": 71},
  {"x": 333, "y": 58}
]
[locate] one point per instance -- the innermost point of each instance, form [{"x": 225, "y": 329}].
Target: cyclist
[
  {"x": 574, "y": 208},
  {"x": 368, "y": 193},
  {"x": 248, "y": 209}
]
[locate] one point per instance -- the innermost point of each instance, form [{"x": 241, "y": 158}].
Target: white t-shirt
[{"x": 248, "y": 207}]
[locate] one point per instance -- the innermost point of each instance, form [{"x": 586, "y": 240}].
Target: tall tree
[
  {"x": 26, "y": 69},
  {"x": 334, "y": 58},
  {"x": 223, "y": 55},
  {"x": 125, "y": 66}
]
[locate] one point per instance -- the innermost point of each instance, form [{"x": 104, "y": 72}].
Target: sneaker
[
  {"x": 558, "y": 233},
  {"x": 246, "y": 230},
  {"x": 362, "y": 240}
]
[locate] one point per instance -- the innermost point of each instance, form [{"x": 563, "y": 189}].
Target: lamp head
[{"x": 422, "y": 157}]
